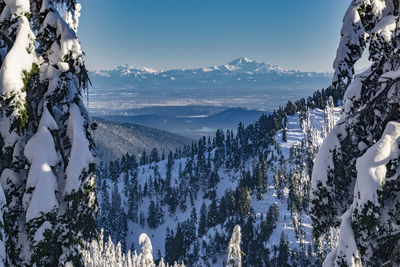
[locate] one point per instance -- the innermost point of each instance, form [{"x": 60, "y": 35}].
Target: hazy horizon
[{"x": 176, "y": 34}]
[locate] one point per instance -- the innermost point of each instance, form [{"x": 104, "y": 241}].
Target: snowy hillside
[
  {"x": 178, "y": 201},
  {"x": 115, "y": 139},
  {"x": 241, "y": 82}
]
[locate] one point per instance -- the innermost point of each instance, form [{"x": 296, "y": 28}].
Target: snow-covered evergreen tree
[
  {"x": 328, "y": 115},
  {"x": 356, "y": 173},
  {"x": 18, "y": 67},
  {"x": 3, "y": 255},
  {"x": 234, "y": 252},
  {"x": 146, "y": 257},
  {"x": 46, "y": 160},
  {"x": 100, "y": 254}
]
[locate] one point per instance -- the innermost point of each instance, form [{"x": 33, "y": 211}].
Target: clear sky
[{"x": 166, "y": 34}]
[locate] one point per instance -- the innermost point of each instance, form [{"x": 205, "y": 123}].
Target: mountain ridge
[
  {"x": 191, "y": 126},
  {"x": 239, "y": 63},
  {"x": 241, "y": 82},
  {"x": 115, "y": 139}
]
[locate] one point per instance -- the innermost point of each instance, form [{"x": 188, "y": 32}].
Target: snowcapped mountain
[
  {"x": 237, "y": 71},
  {"x": 241, "y": 82},
  {"x": 240, "y": 67}
]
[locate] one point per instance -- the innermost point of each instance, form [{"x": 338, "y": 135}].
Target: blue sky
[{"x": 166, "y": 34}]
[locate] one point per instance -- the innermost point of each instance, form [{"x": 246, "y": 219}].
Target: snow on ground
[
  {"x": 228, "y": 180},
  {"x": 295, "y": 134}
]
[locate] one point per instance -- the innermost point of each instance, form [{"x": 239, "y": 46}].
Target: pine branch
[{"x": 6, "y": 40}]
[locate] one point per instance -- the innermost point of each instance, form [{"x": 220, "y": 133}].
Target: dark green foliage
[
  {"x": 283, "y": 251},
  {"x": 29, "y": 76},
  {"x": 30, "y": 81},
  {"x": 155, "y": 214},
  {"x": 49, "y": 244},
  {"x": 203, "y": 220},
  {"x": 268, "y": 225},
  {"x": 170, "y": 252},
  {"x": 212, "y": 214},
  {"x": 105, "y": 210},
  {"x": 154, "y": 156},
  {"x": 243, "y": 198}
]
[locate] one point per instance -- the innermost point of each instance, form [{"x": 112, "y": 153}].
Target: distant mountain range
[
  {"x": 114, "y": 139},
  {"x": 193, "y": 126},
  {"x": 241, "y": 82},
  {"x": 239, "y": 72}
]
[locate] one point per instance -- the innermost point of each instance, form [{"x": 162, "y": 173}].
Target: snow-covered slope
[
  {"x": 115, "y": 139},
  {"x": 287, "y": 173}
]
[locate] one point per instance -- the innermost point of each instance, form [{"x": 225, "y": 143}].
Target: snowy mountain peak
[
  {"x": 129, "y": 69},
  {"x": 239, "y": 73},
  {"x": 240, "y": 61},
  {"x": 241, "y": 65},
  {"x": 148, "y": 70},
  {"x": 249, "y": 65}
]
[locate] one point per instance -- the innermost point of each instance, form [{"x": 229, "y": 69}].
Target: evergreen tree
[
  {"x": 268, "y": 225},
  {"x": 51, "y": 205},
  {"x": 154, "y": 156},
  {"x": 284, "y": 130},
  {"x": 283, "y": 256},
  {"x": 155, "y": 215},
  {"x": 146, "y": 257},
  {"x": 219, "y": 156},
  {"x": 105, "y": 210},
  {"x": 234, "y": 252},
  {"x": 100, "y": 254},
  {"x": 193, "y": 222},
  {"x": 259, "y": 176},
  {"x": 356, "y": 171},
  {"x": 264, "y": 171},
  {"x": 328, "y": 114},
  {"x": 143, "y": 158},
  {"x": 243, "y": 197},
  {"x": 212, "y": 214},
  {"x": 203, "y": 220},
  {"x": 169, "y": 245},
  {"x": 14, "y": 114},
  {"x": 3, "y": 255},
  {"x": 119, "y": 220},
  {"x": 133, "y": 197},
  {"x": 179, "y": 244},
  {"x": 170, "y": 164}
]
